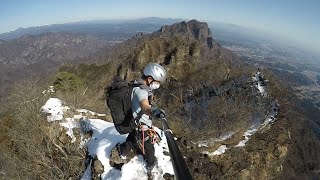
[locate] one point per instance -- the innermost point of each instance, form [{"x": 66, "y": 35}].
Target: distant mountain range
[
  {"x": 57, "y": 47},
  {"x": 101, "y": 28},
  {"x": 124, "y": 29}
]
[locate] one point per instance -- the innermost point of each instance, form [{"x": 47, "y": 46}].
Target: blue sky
[{"x": 298, "y": 20}]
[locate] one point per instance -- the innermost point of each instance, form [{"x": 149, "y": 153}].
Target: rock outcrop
[
  {"x": 178, "y": 46},
  {"x": 191, "y": 30}
]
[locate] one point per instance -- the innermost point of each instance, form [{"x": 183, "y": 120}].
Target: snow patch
[
  {"x": 272, "y": 115},
  {"x": 260, "y": 83},
  {"x": 78, "y": 116},
  {"x": 84, "y": 111},
  {"x": 202, "y": 144},
  {"x": 247, "y": 134},
  {"x": 261, "y": 89},
  {"x": 209, "y": 142},
  {"x": 104, "y": 138},
  {"x": 221, "y": 149},
  {"x": 49, "y": 90},
  {"x": 267, "y": 121},
  {"x": 54, "y": 108},
  {"x": 70, "y": 123}
]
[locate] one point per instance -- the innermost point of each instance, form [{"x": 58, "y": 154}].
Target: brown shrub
[
  {"x": 209, "y": 116},
  {"x": 29, "y": 139}
]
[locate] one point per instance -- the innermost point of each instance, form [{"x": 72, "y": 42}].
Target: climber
[{"x": 142, "y": 138}]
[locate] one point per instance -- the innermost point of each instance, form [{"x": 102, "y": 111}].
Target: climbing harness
[{"x": 150, "y": 134}]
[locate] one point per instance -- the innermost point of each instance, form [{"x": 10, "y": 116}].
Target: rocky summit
[{"x": 179, "y": 45}]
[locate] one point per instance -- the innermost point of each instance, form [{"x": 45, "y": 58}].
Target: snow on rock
[
  {"x": 84, "y": 111},
  {"x": 247, "y": 134},
  {"x": 202, "y": 144},
  {"x": 54, "y": 108},
  {"x": 267, "y": 121},
  {"x": 70, "y": 123},
  {"x": 78, "y": 116},
  {"x": 104, "y": 138},
  {"x": 49, "y": 90},
  {"x": 221, "y": 149},
  {"x": 135, "y": 169},
  {"x": 209, "y": 142},
  {"x": 261, "y": 89},
  {"x": 260, "y": 83},
  {"x": 272, "y": 115}
]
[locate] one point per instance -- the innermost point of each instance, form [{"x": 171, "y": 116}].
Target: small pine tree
[{"x": 66, "y": 82}]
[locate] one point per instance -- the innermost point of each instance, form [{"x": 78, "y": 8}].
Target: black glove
[{"x": 159, "y": 113}]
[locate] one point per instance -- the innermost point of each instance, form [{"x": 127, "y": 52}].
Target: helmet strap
[{"x": 148, "y": 84}]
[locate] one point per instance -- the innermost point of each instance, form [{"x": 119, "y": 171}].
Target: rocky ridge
[
  {"x": 41, "y": 55},
  {"x": 54, "y": 47},
  {"x": 180, "y": 45}
]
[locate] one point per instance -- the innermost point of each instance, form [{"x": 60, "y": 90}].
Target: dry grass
[
  {"x": 210, "y": 116},
  {"x": 29, "y": 139},
  {"x": 92, "y": 94}
]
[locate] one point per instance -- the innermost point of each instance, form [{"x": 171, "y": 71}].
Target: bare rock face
[
  {"x": 139, "y": 34},
  {"x": 180, "y": 47},
  {"x": 191, "y": 30},
  {"x": 198, "y": 30}
]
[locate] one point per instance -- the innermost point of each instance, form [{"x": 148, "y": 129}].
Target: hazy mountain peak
[
  {"x": 192, "y": 30},
  {"x": 95, "y": 27}
]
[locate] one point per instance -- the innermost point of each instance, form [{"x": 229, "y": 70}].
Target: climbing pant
[{"x": 134, "y": 141}]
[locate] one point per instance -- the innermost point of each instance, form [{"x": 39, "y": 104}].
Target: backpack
[{"x": 119, "y": 101}]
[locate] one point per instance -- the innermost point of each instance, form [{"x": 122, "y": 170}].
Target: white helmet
[{"x": 156, "y": 71}]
